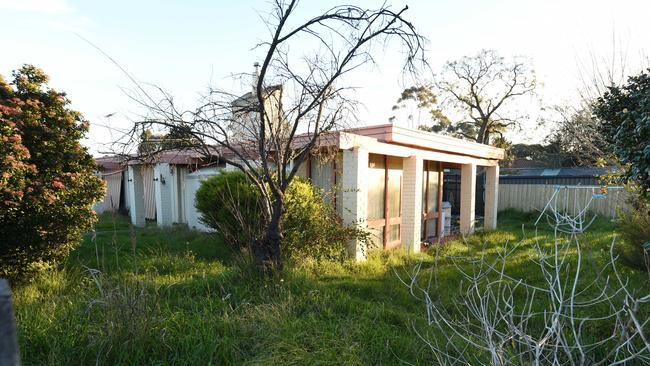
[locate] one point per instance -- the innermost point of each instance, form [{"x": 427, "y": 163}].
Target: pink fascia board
[{"x": 429, "y": 141}]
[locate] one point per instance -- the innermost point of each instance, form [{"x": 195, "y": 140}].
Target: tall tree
[
  {"x": 481, "y": 89},
  {"x": 298, "y": 96},
  {"x": 624, "y": 114},
  {"x": 47, "y": 181},
  {"x": 579, "y": 139},
  {"x": 418, "y": 99}
]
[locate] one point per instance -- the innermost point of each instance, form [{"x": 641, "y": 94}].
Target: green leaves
[
  {"x": 229, "y": 203},
  {"x": 47, "y": 182},
  {"x": 624, "y": 113},
  {"x": 424, "y": 99}
]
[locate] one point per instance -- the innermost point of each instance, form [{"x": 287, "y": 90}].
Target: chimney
[{"x": 256, "y": 75}]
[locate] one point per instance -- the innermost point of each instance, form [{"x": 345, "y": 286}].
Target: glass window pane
[
  {"x": 394, "y": 186},
  {"x": 433, "y": 191},
  {"x": 430, "y": 189},
  {"x": 376, "y": 186},
  {"x": 376, "y": 237},
  {"x": 424, "y": 188},
  {"x": 431, "y": 229},
  {"x": 394, "y": 232}
]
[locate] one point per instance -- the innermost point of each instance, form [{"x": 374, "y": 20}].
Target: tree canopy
[
  {"x": 480, "y": 90},
  {"x": 47, "y": 182},
  {"x": 624, "y": 114}
]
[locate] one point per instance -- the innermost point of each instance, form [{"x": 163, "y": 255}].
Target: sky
[{"x": 184, "y": 46}]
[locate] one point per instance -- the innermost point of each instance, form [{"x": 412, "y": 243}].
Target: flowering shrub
[{"x": 47, "y": 186}]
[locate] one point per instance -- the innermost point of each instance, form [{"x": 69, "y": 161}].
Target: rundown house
[{"x": 386, "y": 178}]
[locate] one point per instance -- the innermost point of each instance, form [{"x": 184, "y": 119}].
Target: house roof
[
  {"x": 383, "y": 139},
  {"x": 176, "y": 156},
  {"x": 429, "y": 141},
  {"x": 112, "y": 163},
  {"x": 583, "y": 171}
]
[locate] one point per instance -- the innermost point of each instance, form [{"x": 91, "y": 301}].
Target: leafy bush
[
  {"x": 311, "y": 227},
  {"x": 635, "y": 229},
  {"x": 47, "y": 185},
  {"x": 229, "y": 203},
  {"x": 623, "y": 112}
]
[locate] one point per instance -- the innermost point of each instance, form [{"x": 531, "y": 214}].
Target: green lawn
[{"x": 180, "y": 297}]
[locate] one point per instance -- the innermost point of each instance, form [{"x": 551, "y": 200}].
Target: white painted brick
[
  {"x": 412, "y": 203},
  {"x": 491, "y": 197},
  {"x": 467, "y": 198},
  {"x": 354, "y": 191}
]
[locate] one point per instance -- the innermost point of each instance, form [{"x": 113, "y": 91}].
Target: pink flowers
[{"x": 58, "y": 184}]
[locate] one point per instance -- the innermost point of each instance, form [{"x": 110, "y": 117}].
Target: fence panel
[{"x": 533, "y": 197}]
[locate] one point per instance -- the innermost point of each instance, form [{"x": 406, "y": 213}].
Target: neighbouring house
[
  {"x": 576, "y": 175},
  {"x": 386, "y": 178},
  {"x": 112, "y": 171}
]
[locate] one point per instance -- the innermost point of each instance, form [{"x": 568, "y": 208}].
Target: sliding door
[
  {"x": 385, "y": 200},
  {"x": 431, "y": 200}
]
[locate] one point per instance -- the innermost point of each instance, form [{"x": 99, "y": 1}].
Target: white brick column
[
  {"x": 136, "y": 196},
  {"x": 412, "y": 203},
  {"x": 467, "y": 198},
  {"x": 354, "y": 192},
  {"x": 491, "y": 197},
  {"x": 163, "y": 193}
]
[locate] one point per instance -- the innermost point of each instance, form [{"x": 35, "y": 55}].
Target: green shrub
[
  {"x": 311, "y": 227},
  {"x": 47, "y": 185},
  {"x": 229, "y": 204},
  {"x": 635, "y": 229},
  {"x": 623, "y": 113}
]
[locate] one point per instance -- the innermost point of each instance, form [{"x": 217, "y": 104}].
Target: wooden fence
[{"x": 534, "y": 197}]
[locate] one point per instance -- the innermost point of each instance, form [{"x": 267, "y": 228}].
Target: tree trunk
[
  {"x": 480, "y": 136},
  {"x": 266, "y": 251}
]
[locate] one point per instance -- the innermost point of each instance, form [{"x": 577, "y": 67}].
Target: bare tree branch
[{"x": 297, "y": 97}]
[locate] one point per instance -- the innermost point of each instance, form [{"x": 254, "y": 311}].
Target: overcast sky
[{"x": 183, "y": 46}]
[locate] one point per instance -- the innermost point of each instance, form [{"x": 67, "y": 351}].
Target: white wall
[
  {"x": 164, "y": 191},
  {"x": 136, "y": 196},
  {"x": 178, "y": 186},
  {"x": 192, "y": 183},
  {"x": 111, "y": 200}
]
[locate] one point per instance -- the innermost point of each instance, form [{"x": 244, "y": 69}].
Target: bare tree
[
  {"x": 297, "y": 98},
  {"x": 578, "y": 137},
  {"x": 481, "y": 88},
  {"x": 597, "y": 72},
  {"x": 576, "y": 130}
]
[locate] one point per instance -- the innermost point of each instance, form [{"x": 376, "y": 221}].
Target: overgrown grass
[{"x": 180, "y": 297}]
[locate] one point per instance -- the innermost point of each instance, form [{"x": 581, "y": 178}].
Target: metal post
[{"x": 9, "y": 353}]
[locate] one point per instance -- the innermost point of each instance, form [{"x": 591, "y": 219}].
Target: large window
[
  {"x": 385, "y": 200},
  {"x": 431, "y": 187},
  {"x": 376, "y": 198}
]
